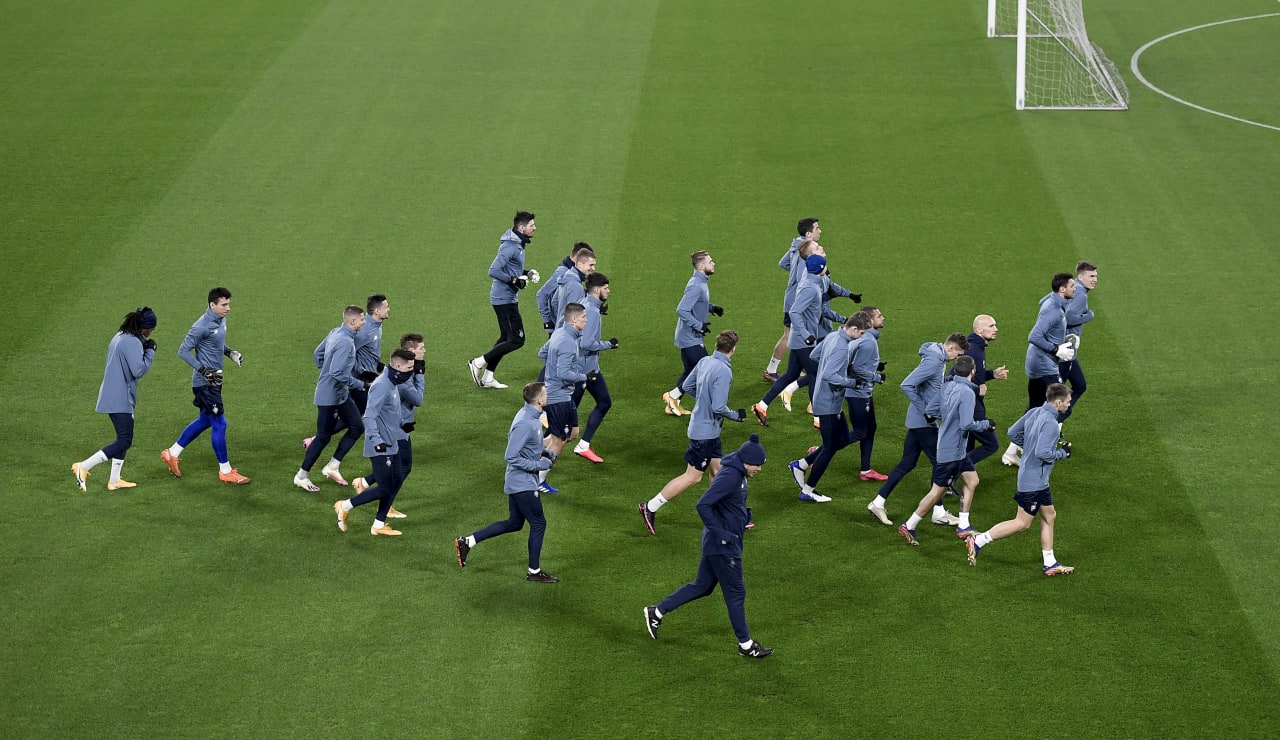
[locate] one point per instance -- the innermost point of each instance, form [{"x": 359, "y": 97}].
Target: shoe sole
[
  {"x": 798, "y": 475},
  {"x": 457, "y": 549},
  {"x": 883, "y": 520},
  {"x": 475, "y": 374},
  {"x": 648, "y": 524},
  {"x": 648, "y": 624}
]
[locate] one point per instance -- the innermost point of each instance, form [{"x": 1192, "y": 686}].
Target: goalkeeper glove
[
  {"x": 519, "y": 283},
  {"x": 717, "y": 310},
  {"x": 235, "y": 357},
  {"x": 211, "y": 376},
  {"x": 1065, "y": 352}
]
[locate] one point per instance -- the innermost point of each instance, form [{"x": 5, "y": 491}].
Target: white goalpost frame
[
  {"x": 1084, "y": 79},
  {"x": 1020, "y": 93}
]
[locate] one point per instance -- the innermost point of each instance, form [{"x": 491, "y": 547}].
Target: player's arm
[{"x": 187, "y": 350}]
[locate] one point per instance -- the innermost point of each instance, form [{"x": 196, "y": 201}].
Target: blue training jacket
[
  {"x": 1077, "y": 310},
  {"x": 383, "y": 415},
  {"x": 507, "y": 266},
  {"x": 591, "y": 345},
  {"x": 568, "y": 290},
  {"x": 864, "y": 359},
  {"x": 923, "y": 387},
  {"x": 563, "y": 361},
  {"x": 723, "y": 509},
  {"x": 1049, "y": 332},
  {"x": 958, "y": 395},
  {"x": 368, "y": 343},
  {"x": 524, "y": 451},
  {"x": 1037, "y": 434},
  {"x": 833, "y": 376},
  {"x": 205, "y": 344},
  {"x": 691, "y": 313},
  {"x": 336, "y": 358},
  {"x": 126, "y": 362},
  {"x": 546, "y": 294},
  {"x": 709, "y": 383}
]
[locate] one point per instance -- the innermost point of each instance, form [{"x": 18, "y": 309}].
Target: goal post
[{"x": 1058, "y": 67}]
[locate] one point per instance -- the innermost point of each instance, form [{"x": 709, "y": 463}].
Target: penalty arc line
[{"x": 1133, "y": 67}]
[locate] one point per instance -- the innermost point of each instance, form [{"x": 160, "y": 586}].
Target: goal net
[{"x": 1058, "y": 66}]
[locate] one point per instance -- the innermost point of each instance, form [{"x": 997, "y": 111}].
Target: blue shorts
[
  {"x": 702, "y": 451},
  {"x": 562, "y": 419},
  {"x": 946, "y": 473},
  {"x": 1031, "y": 502}
]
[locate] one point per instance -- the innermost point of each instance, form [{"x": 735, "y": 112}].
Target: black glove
[
  {"x": 613, "y": 343},
  {"x": 717, "y": 310},
  {"x": 408, "y": 427},
  {"x": 810, "y": 340},
  {"x": 420, "y": 367},
  {"x": 880, "y": 367},
  {"x": 211, "y": 375},
  {"x": 519, "y": 283},
  {"x": 742, "y": 416},
  {"x": 593, "y": 376},
  {"x": 604, "y": 308},
  {"x": 381, "y": 367},
  {"x": 148, "y": 344},
  {"x": 1066, "y": 447},
  {"x": 933, "y": 420},
  {"x": 367, "y": 376},
  {"x": 856, "y": 297},
  {"x": 549, "y": 325},
  {"x": 991, "y": 424},
  {"x": 381, "y": 447},
  {"x": 880, "y": 377},
  {"x": 706, "y": 329}
]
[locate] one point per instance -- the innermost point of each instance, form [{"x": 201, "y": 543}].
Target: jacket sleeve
[
  {"x": 804, "y": 299},
  {"x": 411, "y": 392},
  {"x": 834, "y": 372},
  {"x": 519, "y": 439},
  {"x": 719, "y": 384},
  {"x": 690, "y": 384},
  {"x": 787, "y": 258},
  {"x": 187, "y": 349},
  {"x": 566, "y": 364},
  {"x": 137, "y": 359},
  {"x": 911, "y": 385},
  {"x": 344, "y": 360},
  {"x": 863, "y": 369},
  {"x": 725, "y": 483},
  {"x": 318, "y": 355},
  {"x": 544, "y": 297},
  {"x": 591, "y": 341},
  {"x": 506, "y": 265},
  {"x": 685, "y": 309},
  {"x": 967, "y": 422},
  {"x": 1044, "y": 445},
  {"x": 377, "y": 397},
  {"x": 837, "y": 290},
  {"x": 1040, "y": 332},
  {"x": 1017, "y": 432}
]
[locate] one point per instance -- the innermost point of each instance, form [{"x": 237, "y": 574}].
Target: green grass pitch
[{"x": 307, "y": 153}]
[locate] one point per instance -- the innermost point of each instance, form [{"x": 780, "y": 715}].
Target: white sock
[
  {"x": 1049, "y": 559},
  {"x": 964, "y": 519},
  {"x": 913, "y": 520},
  {"x": 346, "y": 505},
  {"x": 378, "y": 524},
  {"x": 657, "y": 612},
  {"x": 879, "y": 501},
  {"x": 94, "y": 459},
  {"x": 764, "y": 406},
  {"x": 479, "y": 362},
  {"x": 806, "y": 488},
  {"x": 745, "y": 645},
  {"x": 301, "y": 475},
  {"x": 656, "y": 503},
  {"x": 176, "y": 450},
  {"x": 674, "y": 393},
  {"x": 983, "y": 539},
  {"x": 332, "y": 464},
  {"x": 803, "y": 464},
  {"x": 534, "y": 571},
  {"x": 225, "y": 467},
  {"x": 939, "y": 510},
  {"x": 542, "y": 476},
  {"x": 773, "y": 365},
  {"x": 583, "y": 446},
  {"x": 487, "y": 377},
  {"x": 471, "y": 540},
  {"x": 116, "y": 464},
  {"x": 792, "y": 388}
]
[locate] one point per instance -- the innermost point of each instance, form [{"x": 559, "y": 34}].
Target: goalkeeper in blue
[
  {"x": 203, "y": 349},
  {"x": 1037, "y": 433}
]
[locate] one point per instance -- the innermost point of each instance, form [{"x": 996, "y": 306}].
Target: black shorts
[
  {"x": 701, "y": 452},
  {"x": 208, "y": 398},
  {"x": 946, "y": 473},
  {"x": 562, "y": 419},
  {"x": 1031, "y": 502}
]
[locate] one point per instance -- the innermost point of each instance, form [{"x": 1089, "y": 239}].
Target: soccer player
[
  {"x": 1047, "y": 347},
  {"x": 336, "y": 358},
  {"x": 829, "y": 384},
  {"x": 1037, "y": 433},
  {"x": 865, "y": 366},
  {"x": 129, "y": 357},
  {"x": 411, "y": 395},
  {"x": 509, "y": 277},
  {"x": 692, "y": 325},
  {"x": 1078, "y": 314},
  {"x": 369, "y": 346},
  {"x": 546, "y": 294},
  {"x": 563, "y": 357},
  {"x": 983, "y": 444},
  {"x": 809, "y": 317},
  {"x": 709, "y": 384},
  {"x": 203, "y": 349},
  {"x": 952, "y": 461},
  {"x": 724, "y": 513},
  {"x": 808, "y": 230},
  {"x": 385, "y": 433},
  {"x": 592, "y": 345},
  {"x": 525, "y": 459},
  {"x": 923, "y": 389}
]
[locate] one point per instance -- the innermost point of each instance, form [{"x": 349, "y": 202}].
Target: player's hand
[
  {"x": 148, "y": 344},
  {"x": 931, "y": 419},
  {"x": 420, "y": 366},
  {"x": 706, "y": 329},
  {"x": 593, "y": 376},
  {"x": 520, "y": 282},
  {"x": 1074, "y": 341},
  {"x": 211, "y": 375},
  {"x": 613, "y": 343},
  {"x": 742, "y": 416},
  {"x": 982, "y": 390},
  {"x": 1002, "y": 373},
  {"x": 879, "y": 367},
  {"x": 1065, "y": 353},
  {"x": 604, "y": 308},
  {"x": 236, "y": 357},
  {"x": 810, "y": 340},
  {"x": 856, "y": 297},
  {"x": 717, "y": 310},
  {"x": 533, "y": 276},
  {"x": 1066, "y": 447},
  {"x": 550, "y": 326},
  {"x": 381, "y": 447}
]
